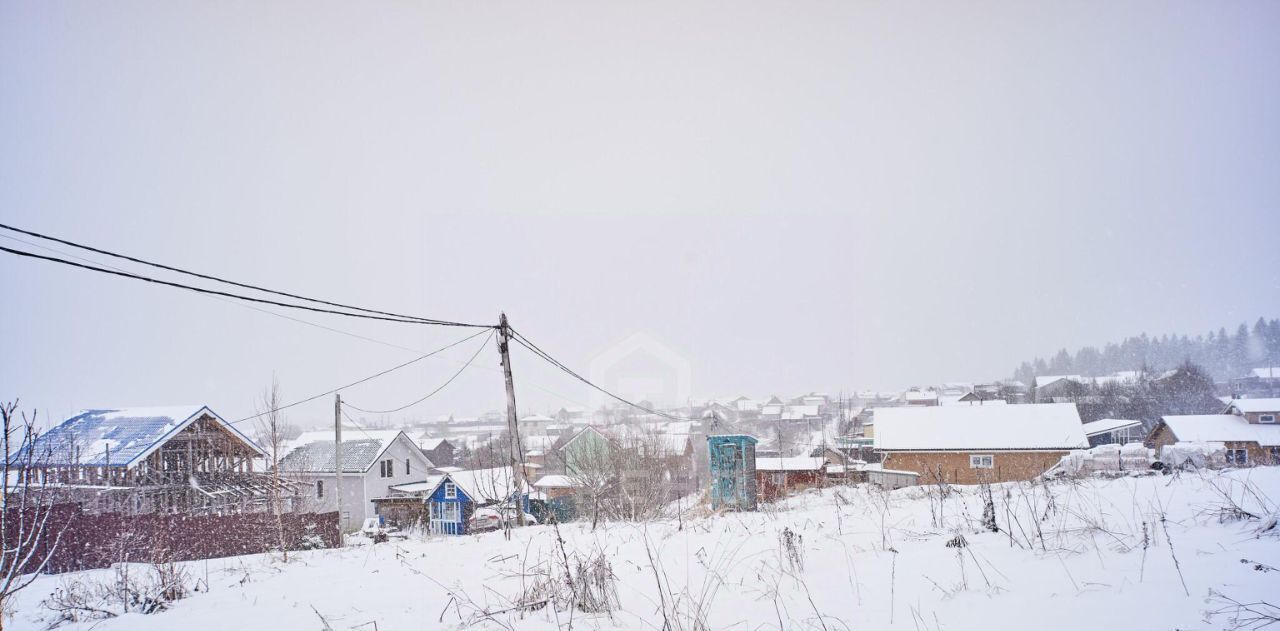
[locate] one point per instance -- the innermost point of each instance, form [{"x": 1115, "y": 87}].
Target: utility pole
[
  {"x": 517, "y": 472},
  {"x": 337, "y": 459}
]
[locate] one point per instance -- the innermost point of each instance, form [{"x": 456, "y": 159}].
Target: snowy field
[{"x": 1156, "y": 552}]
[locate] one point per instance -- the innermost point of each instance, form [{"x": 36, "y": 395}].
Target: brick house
[
  {"x": 970, "y": 444},
  {"x": 1248, "y": 428}
]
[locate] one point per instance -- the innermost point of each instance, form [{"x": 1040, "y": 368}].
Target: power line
[
  {"x": 215, "y": 292},
  {"x": 231, "y": 282},
  {"x": 370, "y": 377},
  {"x": 525, "y": 342},
  {"x": 297, "y": 320},
  {"x": 429, "y": 394}
]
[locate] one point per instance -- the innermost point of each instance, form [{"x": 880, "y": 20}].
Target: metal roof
[{"x": 358, "y": 453}]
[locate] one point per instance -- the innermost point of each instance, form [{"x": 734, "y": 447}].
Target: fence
[{"x": 91, "y": 541}]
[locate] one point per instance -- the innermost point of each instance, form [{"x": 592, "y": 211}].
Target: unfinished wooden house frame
[{"x": 152, "y": 460}]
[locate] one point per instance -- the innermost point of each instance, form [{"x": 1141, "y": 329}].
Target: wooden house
[
  {"x": 445, "y": 502},
  {"x": 438, "y": 450},
  {"x": 970, "y": 444},
  {"x": 777, "y": 477},
  {"x": 1248, "y": 428},
  {"x": 184, "y": 459}
]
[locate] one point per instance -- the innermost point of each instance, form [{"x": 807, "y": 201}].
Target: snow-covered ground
[{"x": 1128, "y": 553}]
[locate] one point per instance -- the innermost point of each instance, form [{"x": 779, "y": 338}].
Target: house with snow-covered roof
[
  {"x": 438, "y": 450},
  {"x": 151, "y": 459},
  {"x": 969, "y": 444},
  {"x": 1248, "y": 429},
  {"x": 449, "y": 499},
  {"x": 776, "y": 477},
  {"x": 372, "y": 461},
  {"x": 1057, "y": 388}
]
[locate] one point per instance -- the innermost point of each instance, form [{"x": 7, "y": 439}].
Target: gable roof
[
  {"x": 1044, "y": 380},
  {"x": 580, "y": 433},
  {"x": 313, "y": 452},
  {"x": 1221, "y": 428},
  {"x": 430, "y": 444},
  {"x": 1103, "y": 426},
  {"x": 481, "y": 485},
  {"x": 1254, "y": 405},
  {"x": 963, "y": 427},
  {"x": 121, "y": 437}
]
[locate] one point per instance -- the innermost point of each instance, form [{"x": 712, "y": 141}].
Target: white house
[{"x": 372, "y": 462}]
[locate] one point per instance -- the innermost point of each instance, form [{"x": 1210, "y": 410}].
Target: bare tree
[
  {"x": 28, "y": 536},
  {"x": 271, "y": 431}
]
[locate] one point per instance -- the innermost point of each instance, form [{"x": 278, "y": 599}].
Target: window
[
  {"x": 1237, "y": 457},
  {"x": 319, "y": 489},
  {"x": 387, "y": 469},
  {"x": 778, "y": 478},
  {"x": 981, "y": 461},
  {"x": 450, "y": 491},
  {"x": 406, "y": 467},
  {"x": 1266, "y": 418},
  {"x": 448, "y": 511}
]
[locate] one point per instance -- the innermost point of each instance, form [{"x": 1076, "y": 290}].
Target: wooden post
[
  {"x": 337, "y": 460},
  {"x": 517, "y": 471}
]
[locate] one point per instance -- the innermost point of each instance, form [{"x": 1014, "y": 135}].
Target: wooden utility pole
[
  {"x": 337, "y": 460},
  {"x": 517, "y": 471}
]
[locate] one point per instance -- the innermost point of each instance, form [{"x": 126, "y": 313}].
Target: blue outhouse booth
[{"x": 733, "y": 471}]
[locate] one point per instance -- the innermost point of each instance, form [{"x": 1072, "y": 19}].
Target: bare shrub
[
  {"x": 792, "y": 550},
  {"x": 78, "y": 598}
]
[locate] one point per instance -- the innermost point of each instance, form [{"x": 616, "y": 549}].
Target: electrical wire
[
  {"x": 231, "y": 282},
  {"x": 429, "y": 394},
  {"x": 528, "y": 344},
  {"x": 356, "y": 383},
  {"x": 215, "y": 292},
  {"x": 297, "y": 320}
]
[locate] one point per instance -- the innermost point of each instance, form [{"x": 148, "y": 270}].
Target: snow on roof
[
  {"x": 1266, "y": 372},
  {"x": 799, "y": 412},
  {"x": 1103, "y": 426},
  {"x": 1045, "y": 380},
  {"x": 538, "y": 442},
  {"x": 536, "y": 418},
  {"x": 427, "y": 443},
  {"x": 484, "y": 484},
  {"x": 120, "y": 437},
  {"x": 678, "y": 427},
  {"x": 916, "y": 395},
  {"x": 801, "y": 463},
  {"x": 1221, "y": 428},
  {"x": 555, "y": 482},
  {"x": 314, "y": 452},
  {"x": 1010, "y": 427},
  {"x": 1255, "y": 405}
]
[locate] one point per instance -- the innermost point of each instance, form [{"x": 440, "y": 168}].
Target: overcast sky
[{"x": 794, "y": 195}]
